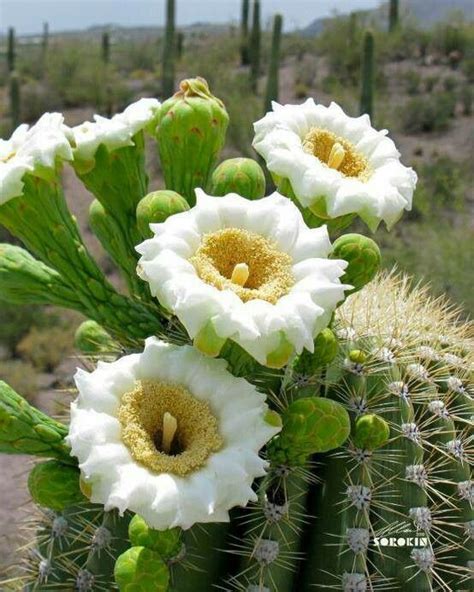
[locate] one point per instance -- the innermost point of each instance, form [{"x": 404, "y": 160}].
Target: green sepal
[
  {"x": 243, "y": 176},
  {"x": 363, "y": 257},
  {"x": 54, "y": 485},
  {"x": 190, "y": 133},
  {"x": 167, "y": 543},
  {"x": 280, "y": 356},
  {"x": 139, "y": 569},
  {"x": 208, "y": 342},
  {"x": 26, "y": 430},
  {"x": 156, "y": 207}
]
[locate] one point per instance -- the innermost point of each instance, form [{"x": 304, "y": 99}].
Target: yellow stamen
[
  {"x": 338, "y": 153},
  {"x": 336, "y": 156},
  {"x": 240, "y": 275},
  {"x": 167, "y": 429},
  {"x": 170, "y": 426},
  {"x": 8, "y": 157}
]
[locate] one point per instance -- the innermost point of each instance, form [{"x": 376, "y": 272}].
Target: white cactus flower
[
  {"x": 169, "y": 434},
  {"x": 31, "y": 149},
  {"x": 248, "y": 271},
  {"x": 336, "y": 165},
  {"x": 115, "y": 132}
]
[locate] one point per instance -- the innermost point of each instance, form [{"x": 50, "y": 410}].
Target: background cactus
[
  {"x": 15, "y": 99},
  {"x": 274, "y": 66},
  {"x": 255, "y": 46},
  {"x": 11, "y": 50},
  {"x": 169, "y": 48},
  {"x": 244, "y": 33},
  {"x": 367, "y": 75},
  {"x": 393, "y": 15}
]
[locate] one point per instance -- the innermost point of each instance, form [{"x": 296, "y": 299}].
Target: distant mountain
[{"x": 426, "y": 12}]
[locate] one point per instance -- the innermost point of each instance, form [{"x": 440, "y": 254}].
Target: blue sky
[{"x": 27, "y": 16}]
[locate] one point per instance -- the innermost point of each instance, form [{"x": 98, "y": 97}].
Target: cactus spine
[
  {"x": 169, "y": 50},
  {"x": 11, "y": 50},
  {"x": 274, "y": 67},
  {"x": 255, "y": 47},
  {"x": 244, "y": 33},
  {"x": 393, "y": 15},
  {"x": 367, "y": 75}
]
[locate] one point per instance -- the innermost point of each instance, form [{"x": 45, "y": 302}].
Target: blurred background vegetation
[{"x": 423, "y": 86}]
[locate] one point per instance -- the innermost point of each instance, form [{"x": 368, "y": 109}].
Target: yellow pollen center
[
  {"x": 167, "y": 429},
  {"x": 337, "y": 153},
  {"x": 244, "y": 262}
]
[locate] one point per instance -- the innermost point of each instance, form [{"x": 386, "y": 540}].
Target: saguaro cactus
[
  {"x": 15, "y": 99},
  {"x": 274, "y": 67},
  {"x": 244, "y": 33},
  {"x": 11, "y": 50},
  {"x": 367, "y": 75},
  {"x": 169, "y": 50},
  {"x": 255, "y": 46},
  {"x": 393, "y": 15}
]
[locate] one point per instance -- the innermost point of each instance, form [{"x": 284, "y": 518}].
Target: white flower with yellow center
[
  {"x": 32, "y": 149},
  {"x": 113, "y": 133},
  {"x": 336, "y": 165},
  {"x": 169, "y": 434},
  {"x": 248, "y": 271}
]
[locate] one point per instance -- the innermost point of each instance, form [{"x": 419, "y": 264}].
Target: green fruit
[
  {"x": 243, "y": 176},
  {"x": 371, "y": 432},
  {"x": 156, "y": 207},
  {"x": 55, "y": 485},
  {"x": 363, "y": 257},
  {"x": 167, "y": 543},
  {"x": 190, "y": 133},
  {"x": 141, "y": 570}
]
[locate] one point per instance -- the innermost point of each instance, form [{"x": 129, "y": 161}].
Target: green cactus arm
[
  {"x": 243, "y": 176},
  {"x": 25, "y": 280},
  {"x": 108, "y": 231},
  {"x": 40, "y": 218},
  {"x": 26, "y": 430}
]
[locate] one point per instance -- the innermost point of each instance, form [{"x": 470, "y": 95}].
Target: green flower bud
[
  {"x": 363, "y": 257},
  {"x": 243, "y": 176},
  {"x": 55, "y": 485},
  {"x": 326, "y": 347},
  {"x": 167, "y": 543},
  {"x": 208, "y": 342},
  {"x": 310, "y": 425},
  {"x": 371, "y": 432},
  {"x": 92, "y": 338},
  {"x": 357, "y": 356},
  {"x": 156, "y": 207},
  {"x": 191, "y": 133},
  {"x": 139, "y": 569}
]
